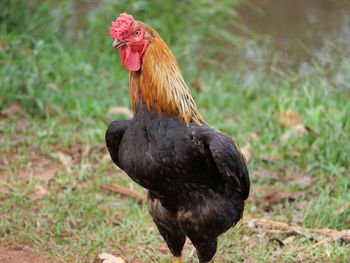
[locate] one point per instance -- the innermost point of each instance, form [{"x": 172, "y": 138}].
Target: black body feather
[{"x": 196, "y": 176}]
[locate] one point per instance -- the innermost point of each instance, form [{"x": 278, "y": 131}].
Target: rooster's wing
[
  {"x": 114, "y": 136},
  {"x": 229, "y": 161}
]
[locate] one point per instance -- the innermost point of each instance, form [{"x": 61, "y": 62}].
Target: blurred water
[
  {"x": 282, "y": 35},
  {"x": 300, "y": 30}
]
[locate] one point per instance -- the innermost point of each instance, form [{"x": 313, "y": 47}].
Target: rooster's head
[{"x": 132, "y": 37}]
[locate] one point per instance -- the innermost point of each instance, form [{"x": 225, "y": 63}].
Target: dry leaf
[
  {"x": 65, "y": 160},
  {"x": 302, "y": 205},
  {"x": 252, "y": 136},
  {"x": 272, "y": 174},
  {"x": 22, "y": 125},
  {"x": 47, "y": 172},
  {"x": 297, "y": 217},
  {"x": 288, "y": 240},
  {"x": 303, "y": 179},
  {"x": 297, "y": 130},
  {"x": 85, "y": 150},
  {"x": 288, "y": 118},
  {"x": 295, "y": 195},
  {"x": 278, "y": 252},
  {"x": 287, "y": 171},
  {"x": 109, "y": 258},
  {"x": 120, "y": 110},
  {"x": 270, "y": 158},
  {"x": 118, "y": 215},
  {"x": 277, "y": 196},
  {"x": 13, "y": 108},
  {"x": 252, "y": 242},
  {"x": 39, "y": 192},
  {"x": 300, "y": 257},
  {"x": 247, "y": 151}
]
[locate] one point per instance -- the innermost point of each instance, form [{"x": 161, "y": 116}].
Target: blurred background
[{"x": 274, "y": 74}]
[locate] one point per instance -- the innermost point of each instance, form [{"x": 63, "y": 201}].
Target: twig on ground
[
  {"x": 280, "y": 227},
  {"x": 255, "y": 223},
  {"x": 125, "y": 191}
]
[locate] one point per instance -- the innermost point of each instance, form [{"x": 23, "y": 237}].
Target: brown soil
[{"x": 20, "y": 255}]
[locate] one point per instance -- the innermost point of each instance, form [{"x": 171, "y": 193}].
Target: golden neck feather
[{"x": 160, "y": 84}]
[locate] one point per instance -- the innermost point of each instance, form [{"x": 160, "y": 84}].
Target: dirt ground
[{"x": 22, "y": 255}]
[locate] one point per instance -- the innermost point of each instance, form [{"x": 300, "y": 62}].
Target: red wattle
[{"x": 130, "y": 58}]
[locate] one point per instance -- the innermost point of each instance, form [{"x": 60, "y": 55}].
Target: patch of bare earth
[{"x": 21, "y": 255}]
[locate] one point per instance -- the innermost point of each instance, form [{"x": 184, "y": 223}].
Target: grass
[{"x": 65, "y": 81}]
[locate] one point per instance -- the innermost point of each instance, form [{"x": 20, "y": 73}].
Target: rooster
[{"x": 196, "y": 176}]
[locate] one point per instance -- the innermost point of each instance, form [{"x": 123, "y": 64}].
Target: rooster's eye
[{"x": 137, "y": 32}]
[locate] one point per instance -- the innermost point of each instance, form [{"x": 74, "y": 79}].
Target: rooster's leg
[
  {"x": 168, "y": 227},
  {"x": 173, "y": 236},
  {"x": 205, "y": 247}
]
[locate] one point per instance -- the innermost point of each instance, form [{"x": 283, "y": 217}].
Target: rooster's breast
[{"x": 164, "y": 154}]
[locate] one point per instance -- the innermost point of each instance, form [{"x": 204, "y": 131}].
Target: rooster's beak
[{"x": 117, "y": 44}]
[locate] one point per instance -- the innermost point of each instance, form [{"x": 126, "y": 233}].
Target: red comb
[{"x": 121, "y": 25}]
